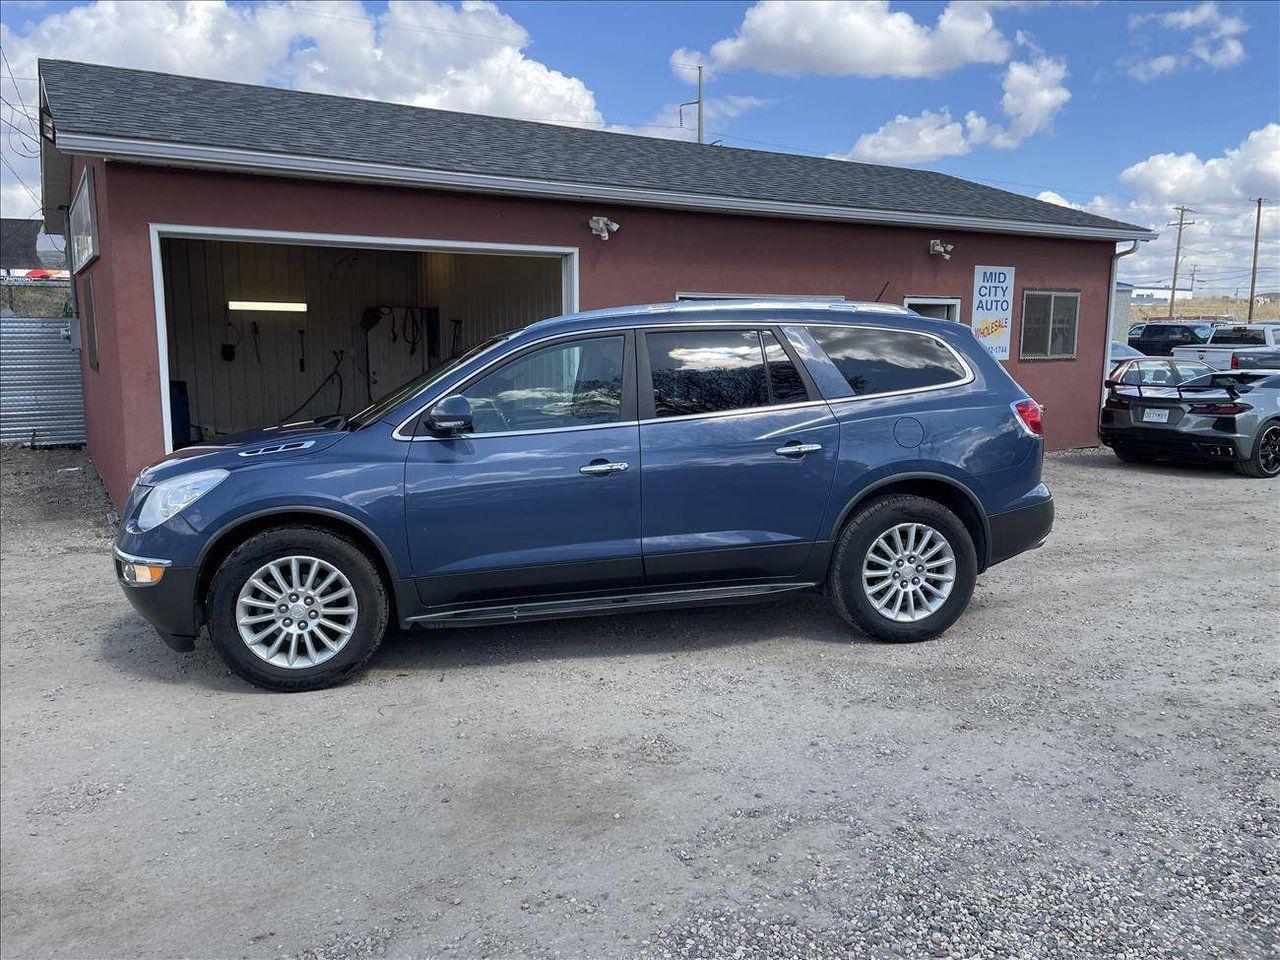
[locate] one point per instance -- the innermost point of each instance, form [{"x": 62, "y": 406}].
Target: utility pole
[
  {"x": 1253, "y": 277},
  {"x": 1183, "y": 210},
  {"x": 1193, "y": 280},
  {"x": 694, "y": 103},
  {"x": 1255, "y": 245}
]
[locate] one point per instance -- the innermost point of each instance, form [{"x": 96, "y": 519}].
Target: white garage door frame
[{"x": 568, "y": 257}]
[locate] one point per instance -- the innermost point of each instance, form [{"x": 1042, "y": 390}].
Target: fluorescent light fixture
[{"x": 267, "y": 306}]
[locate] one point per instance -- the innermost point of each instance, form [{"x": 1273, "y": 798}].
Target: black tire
[
  {"x": 345, "y": 556},
  {"x": 874, "y": 519},
  {"x": 1264, "y": 459},
  {"x": 1126, "y": 455}
]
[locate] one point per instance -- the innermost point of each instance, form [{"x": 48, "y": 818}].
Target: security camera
[
  {"x": 602, "y": 227},
  {"x": 939, "y": 249}
]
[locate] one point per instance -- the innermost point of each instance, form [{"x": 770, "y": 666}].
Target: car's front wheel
[
  {"x": 904, "y": 569},
  {"x": 296, "y": 608}
]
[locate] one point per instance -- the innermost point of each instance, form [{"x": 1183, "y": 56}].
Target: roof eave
[{"x": 281, "y": 164}]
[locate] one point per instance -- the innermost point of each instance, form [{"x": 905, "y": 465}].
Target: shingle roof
[{"x": 112, "y": 102}]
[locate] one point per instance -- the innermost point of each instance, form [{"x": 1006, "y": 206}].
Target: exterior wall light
[
  {"x": 939, "y": 249},
  {"x": 267, "y": 306},
  {"x": 602, "y": 227}
]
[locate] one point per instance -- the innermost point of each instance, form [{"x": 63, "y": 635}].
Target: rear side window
[
  {"x": 878, "y": 360},
  {"x": 1240, "y": 337},
  {"x": 706, "y": 371}
]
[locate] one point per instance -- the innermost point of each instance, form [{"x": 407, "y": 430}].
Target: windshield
[{"x": 380, "y": 408}]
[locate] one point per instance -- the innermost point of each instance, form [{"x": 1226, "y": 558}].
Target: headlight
[{"x": 170, "y": 496}]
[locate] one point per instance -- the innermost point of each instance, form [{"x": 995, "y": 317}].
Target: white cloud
[
  {"x": 1156, "y": 67},
  {"x": 917, "y": 139},
  {"x": 1048, "y": 196},
  {"x": 862, "y": 39},
  {"x": 1034, "y": 94},
  {"x": 1250, "y": 170},
  {"x": 1219, "y": 189},
  {"x": 467, "y": 57},
  {"x": 1216, "y": 43}
]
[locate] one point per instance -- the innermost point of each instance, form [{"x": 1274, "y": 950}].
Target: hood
[{"x": 243, "y": 449}]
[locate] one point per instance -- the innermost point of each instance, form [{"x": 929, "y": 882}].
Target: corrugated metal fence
[{"x": 41, "y": 401}]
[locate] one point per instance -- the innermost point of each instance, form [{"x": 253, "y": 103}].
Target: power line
[
  {"x": 34, "y": 196},
  {"x": 12, "y": 79}
]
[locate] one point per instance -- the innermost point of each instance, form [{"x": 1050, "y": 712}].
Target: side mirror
[{"x": 450, "y": 417}]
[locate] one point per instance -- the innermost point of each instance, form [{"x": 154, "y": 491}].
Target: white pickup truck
[{"x": 1226, "y": 342}]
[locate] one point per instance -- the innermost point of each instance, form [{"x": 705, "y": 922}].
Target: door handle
[
  {"x": 602, "y": 469},
  {"x": 798, "y": 449}
]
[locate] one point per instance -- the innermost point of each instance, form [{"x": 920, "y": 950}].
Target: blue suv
[{"x": 619, "y": 460}]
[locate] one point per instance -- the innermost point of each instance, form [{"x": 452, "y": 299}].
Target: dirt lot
[{"x": 1085, "y": 766}]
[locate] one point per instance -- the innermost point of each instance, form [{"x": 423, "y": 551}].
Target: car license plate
[{"x": 1151, "y": 415}]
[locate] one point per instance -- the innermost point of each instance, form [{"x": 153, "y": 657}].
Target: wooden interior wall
[
  {"x": 492, "y": 295},
  {"x": 274, "y": 372}
]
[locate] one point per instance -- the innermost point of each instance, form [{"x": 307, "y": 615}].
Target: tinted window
[
  {"x": 1241, "y": 336},
  {"x": 567, "y": 385},
  {"x": 705, "y": 371},
  {"x": 785, "y": 384},
  {"x": 878, "y": 360},
  {"x": 1049, "y": 324}
]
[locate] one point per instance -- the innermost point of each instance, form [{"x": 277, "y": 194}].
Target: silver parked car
[{"x": 1231, "y": 417}]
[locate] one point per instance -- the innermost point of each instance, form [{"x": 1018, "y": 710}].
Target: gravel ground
[{"x": 1085, "y": 765}]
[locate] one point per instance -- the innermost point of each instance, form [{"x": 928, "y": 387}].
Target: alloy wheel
[
  {"x": 908, "y": 572},
  {"x": 296, "y": 612},
  {"x": 1269, "y": 451}
]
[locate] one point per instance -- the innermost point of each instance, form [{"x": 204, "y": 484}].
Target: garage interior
[{"x": 264, "y": 333}]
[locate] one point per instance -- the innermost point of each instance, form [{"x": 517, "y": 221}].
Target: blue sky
[{"x": 1122, "y": 108}]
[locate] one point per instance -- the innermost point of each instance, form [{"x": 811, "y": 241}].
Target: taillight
[
  {"x": 1220, "y": 409},
  {"x": 1116, "y": 402},
  {"x": 1031, "y": 415},
  {"x": 1235, "y": 362}
]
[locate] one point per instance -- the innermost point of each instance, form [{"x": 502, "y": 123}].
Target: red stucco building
[{"x": 245, "y": 255}]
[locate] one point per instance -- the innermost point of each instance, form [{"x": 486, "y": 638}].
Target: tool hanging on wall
[
  {"x": 229, "y": 345},
  {"x": 302, "y": 350},
  {"x": 257, "y": 343}
]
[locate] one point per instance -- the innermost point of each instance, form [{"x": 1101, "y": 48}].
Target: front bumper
[
  {"x": 1176, "y": 444},
  {"x": 168, "y": 605},
  {"x": 1019, "y": 530}
]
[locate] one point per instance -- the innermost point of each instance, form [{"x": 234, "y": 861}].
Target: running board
[{"x": 617, "y": 603}]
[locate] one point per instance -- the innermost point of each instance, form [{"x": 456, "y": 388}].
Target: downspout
[{"x": 1111, "y": 306}]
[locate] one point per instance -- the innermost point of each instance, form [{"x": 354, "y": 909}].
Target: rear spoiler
[{"x": 1232, "y": 389}]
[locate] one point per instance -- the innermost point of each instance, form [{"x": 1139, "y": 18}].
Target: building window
[
  {"x": 939, "y": 308},
  {"x": 87, "y": 320},
  {"x": 1050, "y": 322}
]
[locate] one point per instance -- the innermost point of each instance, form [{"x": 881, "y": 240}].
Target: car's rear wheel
[
  {"x": 904, "y": 569},
  {"x": 1264, "y": 461},
  {"x": 296, "y": 608}
]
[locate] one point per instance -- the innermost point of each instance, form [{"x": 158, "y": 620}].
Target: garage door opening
[{"x": 257, "y": 334}]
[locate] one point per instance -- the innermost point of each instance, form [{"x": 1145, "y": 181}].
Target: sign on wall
[
  {"x": 993, "y": 308},
  {"x": 84, "y": 223}
]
